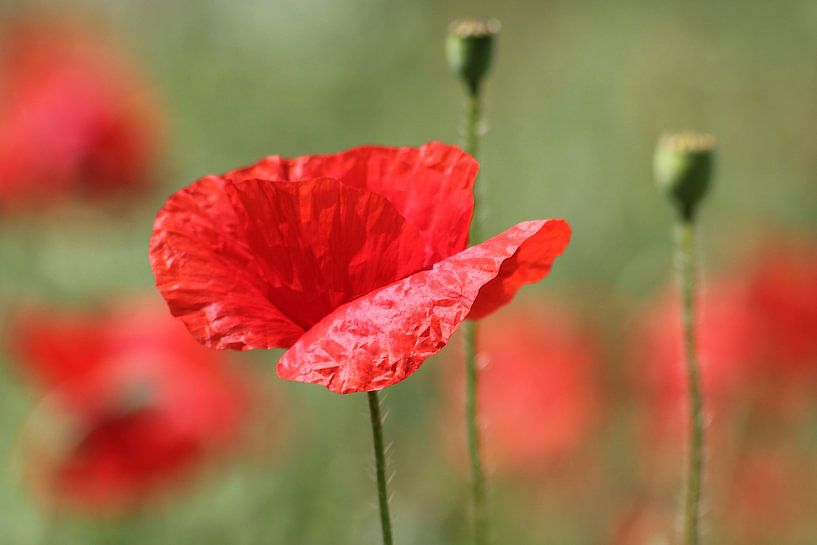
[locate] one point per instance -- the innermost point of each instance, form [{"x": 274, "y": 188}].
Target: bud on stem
[
  {"x": 469, "y": 48},
  {"x": 683, "y": 169}
]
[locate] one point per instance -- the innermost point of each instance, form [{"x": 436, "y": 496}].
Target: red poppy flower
[
  {"x": 74, "y": 117},
  {"x": 355, "y": 261},
  {"x": 133, "y": 404},
  {"x": 538, "y": 396}
]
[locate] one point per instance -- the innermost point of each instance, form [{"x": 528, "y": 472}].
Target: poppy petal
[
  {"x": 531, "y": 263},
  {"x": 256, "y": 251},
  {"x": 321, "y": 243},
  {"x": 208, "y": 276},
  {"x": 384, "y": 336},
  {"x": 430, "y": 186}
]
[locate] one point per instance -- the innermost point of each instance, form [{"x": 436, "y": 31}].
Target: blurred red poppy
[
  {"x": 725, "y": 334},
  {"x": 539, "y": 396},
  {"x": 757, "y": 340},
  {"x": 783, "y": 299},
  {"x": 132, "y": 406},
  {"x": 74, "y": 115},
  {"x": 359, "y": 268}
]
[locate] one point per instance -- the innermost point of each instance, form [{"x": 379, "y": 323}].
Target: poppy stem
[
  {"x": 380, "y": 466},
  {"x": 478, "y": 495},
  {"x": 471, "y": 135},
  {"x": 685, "y": 261},
  {"x": 478, "y": 486},
  {"x": 472, "y": 122}
]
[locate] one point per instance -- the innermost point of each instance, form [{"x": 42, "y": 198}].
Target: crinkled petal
[
  {"x": 531, "y": 263},
  {"x": 384, "y": 336},
  {"x": 431, "y": 186},
  {"x": 321, "y": 243},
  {"x": 254, "y": 263},
  {"x": 208, "y": 275}
]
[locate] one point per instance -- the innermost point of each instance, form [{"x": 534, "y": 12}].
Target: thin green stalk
[
  {"x": 685, "y": 257},
  {"x": 478, "y": 494},
  {"x": 473, "y": 115},
  {"x": 380, "y": 467}
]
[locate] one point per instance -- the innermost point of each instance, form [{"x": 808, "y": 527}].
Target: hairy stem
[
  {"x": 685, "y": 259},
  {"x": 473, "y": 114},
  {"x": 380, "y": 466},
  {"x": 478, "y": 494}
]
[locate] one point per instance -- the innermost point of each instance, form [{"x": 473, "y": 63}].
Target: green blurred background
[{"x": 579, "y": 93}]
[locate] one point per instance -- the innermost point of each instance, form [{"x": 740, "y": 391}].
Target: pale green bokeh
[{"x": 577, "y": 96}]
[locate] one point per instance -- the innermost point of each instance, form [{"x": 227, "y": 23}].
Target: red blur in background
[
  {"x": 131, "y": 403},
  {"x": 538, "y": 393},
  {"x": 757, "y": 337},
  {"x": 76, "y": 117}
]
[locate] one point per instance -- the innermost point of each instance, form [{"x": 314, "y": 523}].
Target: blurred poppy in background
[
  {"x": 131, "y": 403},
  {"x": 783, "y": 299},
  {"x": 539, "y": 394},
  {"x": 757, "y": 337},
  {"x": 75, "y": 115},
  {"x": 725, "y": 332},
  {"x": 359, "y": 268}
]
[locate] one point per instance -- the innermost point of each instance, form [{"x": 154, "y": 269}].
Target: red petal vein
[{"x": 384, "y": 336}]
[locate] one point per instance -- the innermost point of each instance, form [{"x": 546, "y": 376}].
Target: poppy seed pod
[
  {"x": 683, "y": 168},
  {"x": 469, "y": 48}
]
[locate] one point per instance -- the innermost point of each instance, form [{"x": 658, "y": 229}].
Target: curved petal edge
[
  {"x": 208, "y": 275},
  {"x": 414, "y": 180},
  {"x": 383, "y": 337},
  {"x": 531, "y": 263}
]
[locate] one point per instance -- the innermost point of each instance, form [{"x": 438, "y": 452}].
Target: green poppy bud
[
  {"x": 683, "y": 169},
  {"x": 469, "y": 48}
]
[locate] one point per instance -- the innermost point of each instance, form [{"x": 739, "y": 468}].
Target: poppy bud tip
[
  {"x": 469, "y": 48},
  {"x": 683, "y": 168}
]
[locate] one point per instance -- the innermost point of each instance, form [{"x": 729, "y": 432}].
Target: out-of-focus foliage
[{"x": 578, "y": 93}]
